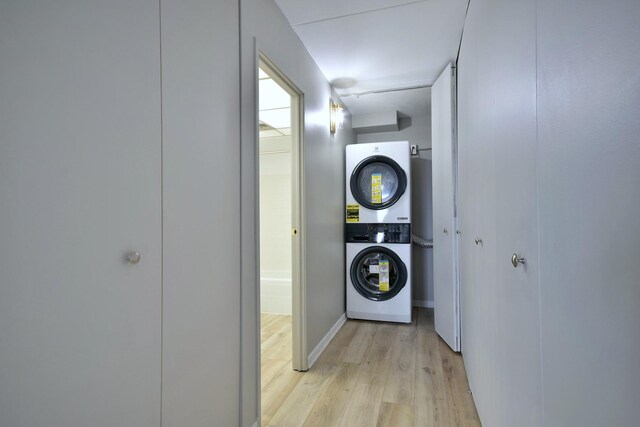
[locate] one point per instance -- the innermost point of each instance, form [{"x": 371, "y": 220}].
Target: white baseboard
[
  {"x": 422, "y": 303},
  {"x": 324, "y": 342}
]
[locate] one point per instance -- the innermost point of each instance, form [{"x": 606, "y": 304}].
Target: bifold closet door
[
  {"x": 445, "y": 292},
  {"x": 501, "y": 293},
  {"x": 589, "y": 211},
  {"x": 80, "y": 196},
  {"x": 518, "y": 266}
]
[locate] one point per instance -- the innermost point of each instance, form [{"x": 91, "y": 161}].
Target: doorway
[{"x": 282, "y": 337}]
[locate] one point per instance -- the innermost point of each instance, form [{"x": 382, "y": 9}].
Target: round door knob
[
  {"x": 515, "y": 260},
  {"x": 445, "y": 231},
  {"x": 133, "y": 258}
]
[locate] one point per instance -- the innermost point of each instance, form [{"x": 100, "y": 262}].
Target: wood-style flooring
[{"x": 371, "y": 374}]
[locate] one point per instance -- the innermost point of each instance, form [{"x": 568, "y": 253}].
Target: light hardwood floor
[{"x": 371, "y": 374}]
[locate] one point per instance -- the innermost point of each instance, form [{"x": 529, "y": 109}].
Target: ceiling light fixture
[{"x": 336, "y": 116}]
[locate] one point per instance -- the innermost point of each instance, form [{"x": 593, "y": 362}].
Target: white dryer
[
  {"x": 378, "y": 183},
  {"x": 379, "y": 272}
]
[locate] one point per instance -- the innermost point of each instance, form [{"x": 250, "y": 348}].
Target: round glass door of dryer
[
  {"x": 378, "y": 273},
  {"x": 378, "y": 182}
]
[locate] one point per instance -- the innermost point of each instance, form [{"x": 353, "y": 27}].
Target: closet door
[
  {"x": 589, "y": 156},
  {"x": 445, "y": 256},
  {"x": 477, "y": 226},
  {"x": 501, "y": 300},
  {"x": 80, "y": 191},
  {"x": 518, "y": 288}
]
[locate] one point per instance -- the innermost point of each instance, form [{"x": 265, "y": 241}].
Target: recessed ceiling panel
[
  {"x": 278, "y": 118},
  {"x": 271, "y": 95}
]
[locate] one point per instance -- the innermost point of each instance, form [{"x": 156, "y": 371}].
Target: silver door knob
[
  {"x": 133, "y": 258},
  {"x": 445, "y": 231},
  {"x": 478, "y": 241},
  {"x": 515, "y": 260},
  {"x": 458, "y": 232}
]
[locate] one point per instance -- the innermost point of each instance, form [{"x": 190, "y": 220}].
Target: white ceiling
[
  {"x": 411, "y": 103},
  {"x": 381, "y": 44}
]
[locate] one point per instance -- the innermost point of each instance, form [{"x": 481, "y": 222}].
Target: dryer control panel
[{"x": 378, "y": 233}]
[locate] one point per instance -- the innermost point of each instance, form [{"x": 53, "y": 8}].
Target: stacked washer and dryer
[{"x": 378, "y": 231}]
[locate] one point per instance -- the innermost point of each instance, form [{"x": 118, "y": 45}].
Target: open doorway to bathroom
[{"x": 282, "y": 337}]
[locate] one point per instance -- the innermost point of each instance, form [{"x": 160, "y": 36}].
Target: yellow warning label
[
  {"x": 383, "y": 275},
  {"x": 376, "y": 188},
  {"x": 353, "y": 213}
]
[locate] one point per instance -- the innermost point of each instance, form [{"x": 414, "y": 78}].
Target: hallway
[
  {"x": 371, "y": 374},
  {"x": 131, "y": 268}
]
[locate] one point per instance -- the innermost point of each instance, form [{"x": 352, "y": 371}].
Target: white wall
[
  {"x": 275, "y": 213},
  {"x": 416, "y": 130},
  {"x": 275, "y": 230},
  {"x": 201, "y": 200},
  {"x": 263, "y": 26}
]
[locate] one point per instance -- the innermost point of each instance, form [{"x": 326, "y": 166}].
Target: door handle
[
  {"x": 515, "y": 260},
  {"x": 133, "y": 258},
  {"x": 478, "y": 241},
  {"x": 445, "y": 231}
]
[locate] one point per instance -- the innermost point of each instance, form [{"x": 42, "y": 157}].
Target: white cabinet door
[
  {"x": 445, "y": 290},
  {"x": 79, "y": 189},
  {"x": 477, "y": 241},
  {"x": 516, "y": 202},
  {"x": 501, "y": 303},
  {"x": 589, "y": 156},
  {"x": 474, "y": 189}
]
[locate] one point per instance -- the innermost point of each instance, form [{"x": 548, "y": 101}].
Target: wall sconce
[{"x": 336, "y": 116}]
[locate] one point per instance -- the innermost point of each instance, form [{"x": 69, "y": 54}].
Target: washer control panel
[{"x": 378, "y": 233}]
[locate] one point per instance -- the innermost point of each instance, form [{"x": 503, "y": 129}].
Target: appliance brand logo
[
  {"x": 376, "y": 149},
  {"x": 400, "y": 218}
]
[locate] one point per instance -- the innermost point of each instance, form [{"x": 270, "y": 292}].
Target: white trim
[
  {"x": 324, "y": 342},
  {"x": 255, "y": 424},
  {"x": 422, "y": 303}
]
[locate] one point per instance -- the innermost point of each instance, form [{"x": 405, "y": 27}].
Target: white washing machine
[
  {"x": 378, "y": 182},
  {"x": 379, "y": 272}
]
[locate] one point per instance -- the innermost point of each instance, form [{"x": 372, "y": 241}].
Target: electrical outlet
[{"x": 414, "y": 150}]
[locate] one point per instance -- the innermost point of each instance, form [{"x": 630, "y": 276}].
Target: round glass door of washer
[{"x": 378, "y": 273}]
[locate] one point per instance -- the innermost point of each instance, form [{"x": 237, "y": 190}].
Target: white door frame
[{"x": 299, "y": 336}]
